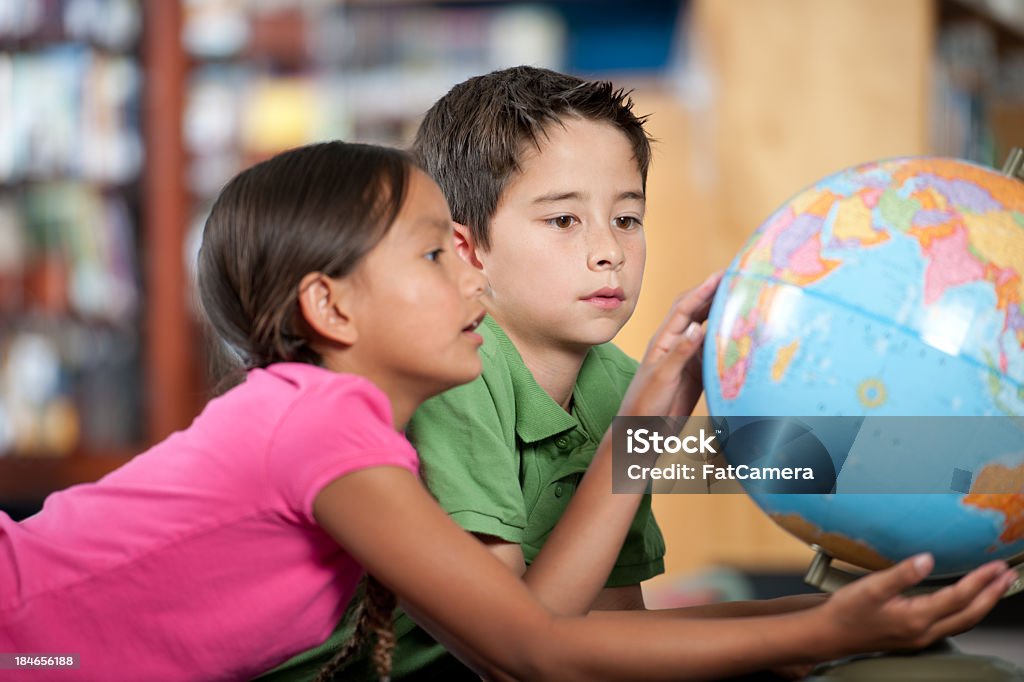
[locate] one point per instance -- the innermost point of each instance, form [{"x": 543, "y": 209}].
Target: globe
[{"x": 881, "y": 308}]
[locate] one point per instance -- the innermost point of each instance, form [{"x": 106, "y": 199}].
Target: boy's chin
[{"x": 595, "y": 332}]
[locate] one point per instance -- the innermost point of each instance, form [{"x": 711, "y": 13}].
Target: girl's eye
[
  {"x": 562, "y": 222},
  {"x": 434, "y": 255},
  {"x": 627, "y": 222}
]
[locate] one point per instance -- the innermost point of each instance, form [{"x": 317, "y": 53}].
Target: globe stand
[
  {"x": 941, "y": 661},
  {"x": 827, "y": 578},
  {"x": 1014, "y": 165}
]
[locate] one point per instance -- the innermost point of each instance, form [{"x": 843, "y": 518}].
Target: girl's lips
[{"x": 469, "y": 331}]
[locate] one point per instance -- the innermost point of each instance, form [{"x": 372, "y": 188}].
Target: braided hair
[{"x": 373, "y": 616}]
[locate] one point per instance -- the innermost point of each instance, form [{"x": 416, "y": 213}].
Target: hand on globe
[
  {"x": 669, "y": 380},
  {"x": 872, "y": 614}
]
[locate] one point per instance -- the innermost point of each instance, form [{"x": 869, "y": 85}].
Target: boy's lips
[{"x": 606, "y": 298}]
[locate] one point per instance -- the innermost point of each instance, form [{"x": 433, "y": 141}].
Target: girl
[{"x": 327, "y": 270}]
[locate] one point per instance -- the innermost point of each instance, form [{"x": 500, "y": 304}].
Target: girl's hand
[
  {"x": 669, "y": 380},
  {"x": 871, "y": 614}
]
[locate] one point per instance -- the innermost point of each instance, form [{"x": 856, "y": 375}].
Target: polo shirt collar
[
  {"x": 597, "y": 396},
  {"x": 538, "y": 416}
]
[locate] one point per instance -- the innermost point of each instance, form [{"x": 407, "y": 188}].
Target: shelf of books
[
  {"x": 121, "y": 119},
  {"x": 76, "y": 298}
]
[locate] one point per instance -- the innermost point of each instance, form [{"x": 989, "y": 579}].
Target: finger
[
  {"x": 668, "y": 334},
  {"x": 686, "y": 347},
  {"x": 707, "y": 290},
  {"x": 667, "y": 368},
  {"x": 959, "y": 595},
  {"x": 971, "y": 615},
  {"x": 692, "y": 305},
  {"x": 884, "y": 585},
  {"x": 697, "y": 301}
]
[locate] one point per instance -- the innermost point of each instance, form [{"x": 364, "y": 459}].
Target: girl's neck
[{"x": 403, "y": 401}]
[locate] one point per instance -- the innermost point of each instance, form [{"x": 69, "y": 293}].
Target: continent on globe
[
  {"x": 996, "y": 477},
  {"x": 837, "y": 544}
]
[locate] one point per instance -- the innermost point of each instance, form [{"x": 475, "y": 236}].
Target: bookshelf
[
  {"x": 95, "y": 365},
  {"x": 216, "y": 86}
]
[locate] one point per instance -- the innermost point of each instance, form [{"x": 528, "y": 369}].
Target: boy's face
[{"x": 567, "y": 241}]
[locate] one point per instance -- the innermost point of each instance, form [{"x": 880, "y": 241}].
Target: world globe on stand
[{"x": 891, "y": 289}]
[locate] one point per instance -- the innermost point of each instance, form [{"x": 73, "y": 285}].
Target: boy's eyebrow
[{"x": 564, "y": 196}]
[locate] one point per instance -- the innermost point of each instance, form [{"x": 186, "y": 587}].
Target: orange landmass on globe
[
  {"x": 1001, "y": 488},
  {"x": 1004, "y": 189},
  {"x": 782, "y": 359},
  {"x": 854, "y": 220},
  {"x": 995, "y": 238},
  {"x": 930, "y": 199},
  {"x": 818, "y": 204},
  {"x": 838, "y": 545},
  {"x": 927, "y": 234}
]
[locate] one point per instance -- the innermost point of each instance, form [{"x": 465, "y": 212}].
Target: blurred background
[{"x": 121, "y": 119}]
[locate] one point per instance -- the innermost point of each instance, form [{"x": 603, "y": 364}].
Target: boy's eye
[
  {"x": 563, "y": 222},
  {"x": 434, "y": 255},
  {"x": 627, "y": 222}
]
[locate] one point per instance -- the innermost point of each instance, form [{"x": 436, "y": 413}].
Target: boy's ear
[
  {"x": 324, "y": 303},
  {"x": 465, "y": 245}
]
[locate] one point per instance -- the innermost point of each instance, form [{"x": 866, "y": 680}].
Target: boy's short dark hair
[{"x": 472, "y": 139}]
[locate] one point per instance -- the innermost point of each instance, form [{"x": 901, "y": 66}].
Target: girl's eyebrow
[{"x": 436, "y": 222}]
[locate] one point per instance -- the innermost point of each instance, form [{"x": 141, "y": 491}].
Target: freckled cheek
[{"x": 636, "y": 258}]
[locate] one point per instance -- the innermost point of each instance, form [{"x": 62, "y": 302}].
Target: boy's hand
[
  {"x": 871, "y": 614},
  {"x": 669, "y": 380}
]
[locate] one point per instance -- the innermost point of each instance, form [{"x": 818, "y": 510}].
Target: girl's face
[{"x": 416, "y": 302}]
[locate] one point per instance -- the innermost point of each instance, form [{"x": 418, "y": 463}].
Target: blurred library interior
[{"x": 121, "y": 119}]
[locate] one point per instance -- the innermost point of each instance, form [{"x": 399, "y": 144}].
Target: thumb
[{"x": 907, "y": 573}]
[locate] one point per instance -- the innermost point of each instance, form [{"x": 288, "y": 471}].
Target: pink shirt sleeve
[{"x": 337, "y": 425}]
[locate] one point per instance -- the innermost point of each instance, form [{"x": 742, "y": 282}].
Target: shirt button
[
  {"x": 558, "y": 491},
  {"x": 562, "y": 443}
]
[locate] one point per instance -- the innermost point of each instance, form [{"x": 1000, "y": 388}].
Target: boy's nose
[{"x": 605, "y": 252}]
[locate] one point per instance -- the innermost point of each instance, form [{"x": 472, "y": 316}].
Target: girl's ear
[
  {"x": 465, "y": 245},
  {"x": 324, "y": 303}
]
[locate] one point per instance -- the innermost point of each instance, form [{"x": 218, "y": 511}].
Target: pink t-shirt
[{"x": 200, "y": 558}]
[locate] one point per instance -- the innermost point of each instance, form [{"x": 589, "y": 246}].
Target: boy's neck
[{"x": 554, "y": 368}]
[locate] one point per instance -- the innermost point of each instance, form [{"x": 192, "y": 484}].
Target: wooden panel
[
  {"x": 807, "y": 87},
  {"x": 800, "y": 88},
  {"x": 171, "y": 357}
]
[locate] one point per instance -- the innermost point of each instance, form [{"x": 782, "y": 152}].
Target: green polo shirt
[{"x": 504, "y": 459}]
